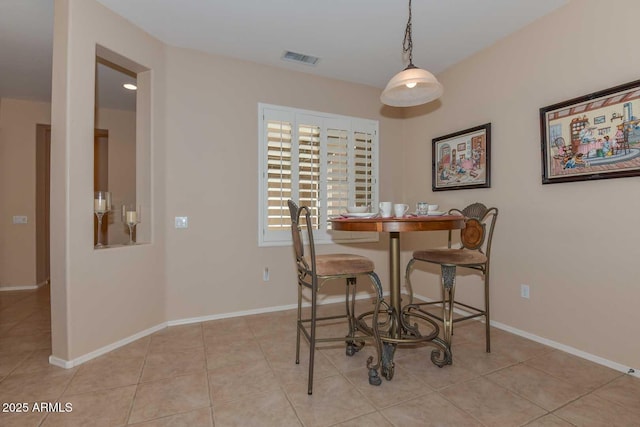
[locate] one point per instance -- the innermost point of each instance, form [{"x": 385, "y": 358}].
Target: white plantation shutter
[
  {"x": 309, "y": 170},
  {"x": 319, "y": 160},
  {"x": 278, "y": 180},
  {"x": 279, "y": 135},
  {"x": 337, "y": 171},
  {"x": 364, "y": 168}
]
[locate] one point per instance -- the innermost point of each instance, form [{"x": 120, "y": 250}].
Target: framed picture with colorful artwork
[
  {"x": 596, "y": 136},
  {"x": 461, "y": 160}
]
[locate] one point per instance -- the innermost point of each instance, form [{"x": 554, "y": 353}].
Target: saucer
[
  {"x": 358, "y": 215},
  {"x": 435, "y": 213}
]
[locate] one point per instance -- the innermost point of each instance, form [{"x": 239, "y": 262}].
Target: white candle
[
  {"x": 132, "y": 217},
  {"x": 99, "y": 205}
]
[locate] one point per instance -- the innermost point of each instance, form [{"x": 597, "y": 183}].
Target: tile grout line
[
  {"x": 58, "y": 399},
  {"x": 453, "y": 403},
  {"x": 551, "y": 412},
  {"x": 280, "y": 385},
  {"x": 206, "y": 373},
  {"x": 587, "y": 393},
  {"x": 135, "y": 393}
]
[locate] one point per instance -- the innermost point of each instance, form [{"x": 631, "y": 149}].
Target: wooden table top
[{"x": 409, "y": 223}]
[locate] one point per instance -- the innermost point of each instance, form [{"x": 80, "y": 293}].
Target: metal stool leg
[
  {"x": 374, "y": 377},
  {"x": 352, "y": 346},
  {"x": 448, "y": 295},
  {"x": 486, "y": 311},
  {"x": 298, "y": 325},
  {"x": 312, "y": 338}
]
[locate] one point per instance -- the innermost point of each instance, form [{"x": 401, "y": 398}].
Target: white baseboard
[
  {"x": 322, "y": 301},
  {"x": 67, "y": 364},
  {"x": 18, "y": 288},
  {"x": 23, "y": 287},
  {"x": 553, "y": 344},
  {"x": 568, "y": 349},
  {"x": 60, "y": 363},
  {"x": 189, "y": 320}
]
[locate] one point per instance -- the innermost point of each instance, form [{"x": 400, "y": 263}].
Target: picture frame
[
  {"x": 578, "y": 145},
  {"x": 462, "y": 160}
]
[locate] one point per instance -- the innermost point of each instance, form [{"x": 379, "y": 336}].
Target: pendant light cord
[
  {"x": 412, "y": 86},
  {"x": 407, "y": 44}
]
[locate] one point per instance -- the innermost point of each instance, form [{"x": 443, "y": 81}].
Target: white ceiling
[
  {"x": 357, "y": 40},
  {"x": 26, "y": 32}
]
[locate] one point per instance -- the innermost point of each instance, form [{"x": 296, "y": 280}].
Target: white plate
[
  {"x": 358, "y": 215},
  {"x": 435, "y": 213}
]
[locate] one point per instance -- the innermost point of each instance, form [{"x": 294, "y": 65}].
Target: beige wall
[
  {"x": 100, "y": 296},
  {"x": 575, "y": 244},
  {"x": 18, "y": 120},
  {"x": 576, "y": 258},
  {"x": 215, "y": 266}
]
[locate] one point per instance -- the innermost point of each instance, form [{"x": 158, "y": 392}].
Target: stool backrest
[
  {"x": 479, "y": 225},
  {"x": 305, "y": 271}
]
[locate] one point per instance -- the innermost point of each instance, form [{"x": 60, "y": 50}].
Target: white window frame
[{"x": 297, "y": 117}]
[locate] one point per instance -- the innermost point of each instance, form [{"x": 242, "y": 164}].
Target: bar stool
[
  {"x": 474, "y": 253},
  {"x": 313, "y": 272}
]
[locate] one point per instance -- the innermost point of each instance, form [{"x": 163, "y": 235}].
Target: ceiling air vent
[{"x": 299, "y": 57}]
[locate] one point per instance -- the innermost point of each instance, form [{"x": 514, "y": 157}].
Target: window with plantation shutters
[{"x": 324, "y": 161}]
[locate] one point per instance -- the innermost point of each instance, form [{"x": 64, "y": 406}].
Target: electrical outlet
[
  {"x": 524, "y": 291},
  {"x": 265, "y": 274}
]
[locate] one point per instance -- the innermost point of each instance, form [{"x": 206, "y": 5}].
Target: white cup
[
  {"x": 400, "y": 209},
  {"x": 432, "y": 208},
  {"x": 422, "y": 208},
  {"x": 385, "y": 209}
]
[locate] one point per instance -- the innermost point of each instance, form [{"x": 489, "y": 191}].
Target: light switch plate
[
  {"x": 19, "y": 219},
  {"x": 182, "y": 222}
]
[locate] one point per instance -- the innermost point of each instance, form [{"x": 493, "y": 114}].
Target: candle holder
[
  {"x": 131, "y": 217},
  {"x": 101, "y": 206}
]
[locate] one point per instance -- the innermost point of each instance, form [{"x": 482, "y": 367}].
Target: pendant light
[{"x": 412, "y": 86}]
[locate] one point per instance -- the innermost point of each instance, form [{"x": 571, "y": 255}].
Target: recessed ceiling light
[{"x": 130, "y": 86}]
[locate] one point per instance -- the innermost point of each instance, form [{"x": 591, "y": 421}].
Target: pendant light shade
[{"x": 412, "y": 86}]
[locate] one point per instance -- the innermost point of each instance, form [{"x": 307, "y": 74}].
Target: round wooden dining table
[{"x": 400, "y": 331}]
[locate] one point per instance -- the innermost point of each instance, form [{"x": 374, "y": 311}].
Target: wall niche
[{"x": 121, "y": 151}]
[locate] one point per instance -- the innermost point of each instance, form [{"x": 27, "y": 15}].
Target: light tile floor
[{"x": 241, "y": 372}]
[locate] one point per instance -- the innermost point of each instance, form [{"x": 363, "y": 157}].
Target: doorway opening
[{"x": 43, "y": 172}]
